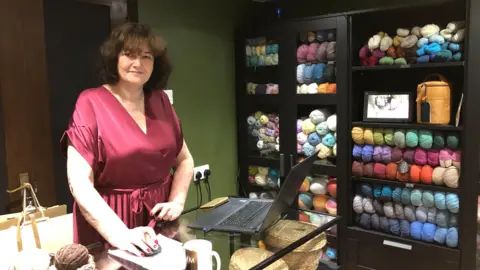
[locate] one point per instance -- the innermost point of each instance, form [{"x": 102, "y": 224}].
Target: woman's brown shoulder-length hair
[{"x": 130, "y": 37}]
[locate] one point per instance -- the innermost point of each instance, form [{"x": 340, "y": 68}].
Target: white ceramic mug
[{"x": 199, "y": 255}]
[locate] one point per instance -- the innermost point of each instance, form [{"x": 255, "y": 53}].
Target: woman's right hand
[{"x": 139, "y": 241}]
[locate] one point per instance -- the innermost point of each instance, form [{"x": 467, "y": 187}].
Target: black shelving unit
[{"x": 360, "y": 248}]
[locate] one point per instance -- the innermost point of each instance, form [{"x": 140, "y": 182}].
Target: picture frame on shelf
[{"x": 388, "y": 107}]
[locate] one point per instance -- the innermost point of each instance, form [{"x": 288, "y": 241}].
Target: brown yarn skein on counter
[{"x": 71, "y": 257}]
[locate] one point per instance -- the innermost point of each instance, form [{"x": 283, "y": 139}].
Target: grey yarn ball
[
  {"x": 409, "y": 211},
  {"x": 375, "y": 222},
  {"x": 384, "y": 226},
  {"x": 378, "y": 206},
  {"x": 453, "y": 220},
  {"x": 388, "y": 209},
  {"x": 399, "y": 213},
  {"x": 431, "y": 215},
  {"x": 443, "y": 216},
  {"x": 421, "y": 214},
  {"x": 368, "y": 205}
]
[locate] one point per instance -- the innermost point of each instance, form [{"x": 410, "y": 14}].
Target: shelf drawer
[{"x": 377, "y": 251}]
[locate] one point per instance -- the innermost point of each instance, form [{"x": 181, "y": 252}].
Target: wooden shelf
[
  {"x": 396, "y": 67},
  {"x": 263, "y": 99},
  {"x": 264, "y": 162},
  {"x": 406, "y": 126},
  {"x": 316, "y": 99},
  {"x": 404, "y": 184}
]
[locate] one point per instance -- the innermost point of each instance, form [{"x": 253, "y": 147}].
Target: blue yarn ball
[
  {"x": 308, "y": 73},
  {"x": 445, "y": 45},
  {"x": 406, "y": 196},
  {"x": 366, "y": 221},
  {"x": 367, "y": 190},
  {"x": 404, "y": 228},
  {"x": 428, "y": 232},
  {"x": 397, "y": 195},
  {"x": 367, "y": 153},
  {"x": 308, "y": 149},
  {"x": 416, "y": 197},
  {"x": 328, "y": 140},
  {"x": 394, "y": 226},
  {"x": 357, "y": 151},
  {"x": 314, "y": 139},
  {"x": 416, "y": 228},
  {"x": 452, "y": 237},
  {"x": 440, "y": 235},
  {"x": 318, "y": 73},
  {"x": 428, "y": 199},
  {"x": 452, "y": 202},
  {"x": 384, "y": 226},
  {"x": 440, "y": 200},
  {"x": 377, "y": 191},
  {"x": 386, "y": 193}
]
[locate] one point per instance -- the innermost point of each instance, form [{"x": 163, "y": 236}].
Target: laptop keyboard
[{"x": 246, "y": 214}]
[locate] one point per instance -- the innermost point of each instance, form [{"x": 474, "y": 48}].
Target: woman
[{"x": 121, "y": 145}]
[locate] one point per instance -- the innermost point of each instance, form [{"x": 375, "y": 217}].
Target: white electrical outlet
[{"x": 200, "y": 169}]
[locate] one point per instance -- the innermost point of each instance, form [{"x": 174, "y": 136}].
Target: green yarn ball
[
  {"x": 378, "y": 136},
  {"x": 452, "y": 141},
  {"x": 386, "y": 60},
  {"x": 400, "y": 61},
  {"x": 425, "y": 139},
  {"x": 388, "y": 136},
  {"x": 412, "y": 138},
  {"x": 399, "y": 138},
  {"x": 438, "y": 140}
]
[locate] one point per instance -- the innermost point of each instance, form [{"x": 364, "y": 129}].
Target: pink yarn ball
[
  {"x": 332, "y": 187},
  {"x": 433, "y": 157},
  {"x": 299, "y": 149},
  {"x": 331, "y": 206},
  {"x": 445, "y": 157},
  {"x": 302, "y": 54},
  {"x": 364, "y": 52},
  {"x": 420, "y": 156},
  {"x": 312, "y": 52}
]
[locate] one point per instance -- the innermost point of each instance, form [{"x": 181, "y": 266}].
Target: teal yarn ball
[
  {"x": 328, "y": 140},
  {"x": 406, "y": 196},
  {"x": 440, "y": 200},
  {"x": 452, "y": 202},
  {"x": 452, "y": 141},
  {"x": 386, "y": 193},
  {"x": 322, "y": 128},
  {"x": 440, "y": 236},
  {"x": 397, "y": 195},
  {"x": 428, "y": 199},
  {"x": 377, "y": 191},
  {"x": 399, "y": 138},
  {"x": 438, "y": 140},
  {"x": 425, "y": 138},
  {"x": 411, "y": 138},
  {"x": 416, "y": 197}
]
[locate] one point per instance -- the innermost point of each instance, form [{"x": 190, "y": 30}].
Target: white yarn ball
[
  {"x": 318, "y": 185},
  {"x": 303, "y": 89},
  {"x": 312, "y": 88},
  {"x": 332, "y": 122}
]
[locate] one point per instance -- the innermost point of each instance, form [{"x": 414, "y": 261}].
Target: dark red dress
[{"x": 131, "y": 168}]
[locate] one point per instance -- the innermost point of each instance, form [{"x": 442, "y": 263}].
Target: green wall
[{"x": 200, "y": 37}]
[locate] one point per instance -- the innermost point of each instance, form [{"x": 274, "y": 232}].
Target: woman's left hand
[{"x": 167, "y": 211}]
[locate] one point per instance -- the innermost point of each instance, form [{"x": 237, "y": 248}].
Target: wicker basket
[
  {"x": 286, "y": 232},
  {"x": 246, "y": 258}
]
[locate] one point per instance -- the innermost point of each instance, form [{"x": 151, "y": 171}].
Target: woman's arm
[
  {"x": 182, "y": 176},
  {"x": 95, "y": 210}
]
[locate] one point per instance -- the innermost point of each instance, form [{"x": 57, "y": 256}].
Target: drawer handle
[{"x": 397, "y": 245}]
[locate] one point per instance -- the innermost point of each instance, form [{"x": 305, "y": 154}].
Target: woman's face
[{"x": 136, "y": 68}]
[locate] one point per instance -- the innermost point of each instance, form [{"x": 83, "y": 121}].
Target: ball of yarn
[
  {"x": 313, "y": 138},
  {"x": 388, "y": 136},
  {"x": 305, "y": 201},
  {"x": 357, "y": 152},
  {"x": 389, "y": 210},
  {"x": 366, "y": 220},
  {"x": 391, "y": 171},
  {"x": 331, "y": 206},
  {"x": 416, "y": 197},
  {"x": 431, "y": 215},
  {"x": 428, "y": 199},
  {"x": 386, "y": 193},
  {"x": 453, "y": 220},
  {"x": 452, "y": 141},
  {"x": 332, "y": 122},
  {"x": 328, "y": 140},
  {"x": 397, "y": 154},
  {"x": 410, "y": 213},
  {"x": 368, "y": 169},
  {"x": 305, "y": 184},
  {"x": 378, "y": 136},
  {"x": 322, "y": 128},
  {"x": 302, "y": 53},
  {"x": 415, "y": 171},
  {"x": 399, "y": 213},
  {"x": 375, "y": 222},
  {"x": 308, "y": 126},
  {"x": 368, "y": 136},
  {"x": 318, "y": 116},
  {"x": 394, "y": 226},
  {"x": 426, "y": 174},
  {"x": 416, "y": 229},
  {"x": 437, "y": 175},
  {"x": 367, "y": 190},
  {"x": 405, "y": 197},
  {"x": 332, "y": 187},
  {"x": 445, "y": 158},
  {"x": 308, "y": 149},
  {"x": 397, "y": 195},
  {"x": 421, "y": 214},
  {"x": 420, "y": 156},
  {"x": 378, "y": 207},
  {"x": 323, "y": 151},
  {"x": 452, "y": 237},
  {"x": 440, "y": 236},
  {"x": 440, "y": 200},
  {"x": 357, "y": 168},
  {"x": 452, "y": 202},
  {"x": 358, "y": 204},
  {"x": 377, "y": 191},
  {"x": 319, "y": 202},
  {"x": 399, "y": 138},
  {"x": 456, "y": 158},
  {"x": 384, "y": 226},
  {"x": 357, "y": 135},
  {"x": 425, "y": 138},
  {"x": 368, "y": 205},
  {"x": 442, "y": 218},
  {"x": 72, "y": 256},
  {"x": 404, "y": 228},
  {"x": 451, "y": 177},
  {"x": 379, "y": 170},
  {"x": 438, "y": 140},
  {"x": 367, "y": 153},
  {"x": 386, "y": 154},
  {"x": 299, "y": 125},
  {"x": 428, "y": 232},
  {"x": 377, "y": 153},
  {"x": 411, "y": 138},
  {"x": 408, "y": 155},
  {"x": 302, "y": 138},
  {"x": 433, "y": 157},
  {"x": 318, "y": 185}
]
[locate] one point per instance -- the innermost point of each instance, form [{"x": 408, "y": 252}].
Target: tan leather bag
[{"x": 434, "y": 100}]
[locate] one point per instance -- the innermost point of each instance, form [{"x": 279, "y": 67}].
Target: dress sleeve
[
  {"x": 175, "y": 121},
  {"x": 82, "y": 132}
]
